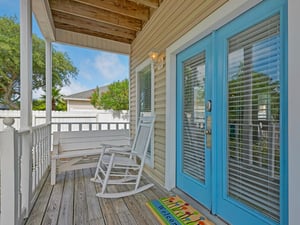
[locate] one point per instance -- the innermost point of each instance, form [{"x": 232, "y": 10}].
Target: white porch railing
[
  {"x": 41, "y": 145},
  {"x": 24, "y": 162},
  {"x": 89, "y": 126},
  {"x": 23, "y": 171}
]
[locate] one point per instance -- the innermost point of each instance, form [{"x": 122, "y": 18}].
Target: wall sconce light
[
  {"x": 158, "y": 59},
  {"x": 153, "y": 56}
]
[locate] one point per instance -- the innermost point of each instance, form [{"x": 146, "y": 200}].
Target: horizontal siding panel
[
  {"x": 160, "y": 151},
  {"x": 160, "y": 139},
  {"x": 160, "y": 147},
  {"x": 156, "y": 175},
  {"x": 160, "y": 127}
]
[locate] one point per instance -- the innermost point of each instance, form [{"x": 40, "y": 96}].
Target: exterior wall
[
  {"x": 77, "y": 105},
  {"x": 171, "y": 21}
]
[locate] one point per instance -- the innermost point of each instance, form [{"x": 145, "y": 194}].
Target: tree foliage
[
  {"x": 62, "y": 67},
  {"x": 58, "y": 103},
  {"x": 116, "y": 98},
  {"x": 95, "y": 98}
]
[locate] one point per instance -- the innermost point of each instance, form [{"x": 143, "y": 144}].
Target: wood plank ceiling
[{"x": 117, "y": 20}]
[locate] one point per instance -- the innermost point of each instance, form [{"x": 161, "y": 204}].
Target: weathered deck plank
[
  {"x": 95, "y": 216},
  {"x": 37, "y": 213},
  {"x": 73, "y": 201},
  {"x": 80, "y": 204},
  {"x": 52, "y": 211},
  {"x": 66, "y": 208}
]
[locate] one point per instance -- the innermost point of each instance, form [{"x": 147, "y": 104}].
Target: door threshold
[{"x": 196, "y": 205}]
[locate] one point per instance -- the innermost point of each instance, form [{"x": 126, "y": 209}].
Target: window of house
[{"x": 145, "y": 99}]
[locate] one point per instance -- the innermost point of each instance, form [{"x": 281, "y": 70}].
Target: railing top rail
[
  {"x": 41, "y": 126},
  {"x": 77, "y": 122}
]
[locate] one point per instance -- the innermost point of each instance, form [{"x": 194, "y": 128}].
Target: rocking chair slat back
[{"x": 143, "y": 136}]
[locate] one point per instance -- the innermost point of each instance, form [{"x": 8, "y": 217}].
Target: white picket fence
[{"x": 58, "y": 117}]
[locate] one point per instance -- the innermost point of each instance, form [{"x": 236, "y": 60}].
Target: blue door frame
[
  {"x": 201, "y": 191},
  {"x": 218, "y": 201}
]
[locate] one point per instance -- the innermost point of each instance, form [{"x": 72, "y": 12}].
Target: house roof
[
  {"x": 84, "y": 95},
  {"x": 105, "y": 23}
]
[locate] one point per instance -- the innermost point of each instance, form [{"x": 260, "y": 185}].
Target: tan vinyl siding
[{"x": 171, "y": 21}]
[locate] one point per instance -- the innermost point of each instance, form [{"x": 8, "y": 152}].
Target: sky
[{"x": 96, "y": 68}]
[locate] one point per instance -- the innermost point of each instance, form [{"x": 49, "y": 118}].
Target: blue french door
[
  {"x": 232, "y": 118},
  {"x": 251, "y": 95},
  {"x": 194, "y": 121}
]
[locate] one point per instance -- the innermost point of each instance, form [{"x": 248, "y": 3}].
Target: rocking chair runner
[{"x": 117, "y": 166}]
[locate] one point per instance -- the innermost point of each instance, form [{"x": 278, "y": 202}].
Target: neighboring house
[
  {"x": 224, "y": 87},
  {"x": 82, "y": 100}
]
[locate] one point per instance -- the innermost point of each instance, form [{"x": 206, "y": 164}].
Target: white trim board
[{"x": 220, "y": 17}]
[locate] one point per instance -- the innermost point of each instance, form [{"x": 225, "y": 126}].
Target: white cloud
[
  {"x": 74, "y": 87},
  {"x": 110, "y": 67},
  {"x": 36, "y": 94}
]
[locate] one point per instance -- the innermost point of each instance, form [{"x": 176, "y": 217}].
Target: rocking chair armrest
[
  {"x": 124, "y": 153},
  {"x": 118, "y": 148}
]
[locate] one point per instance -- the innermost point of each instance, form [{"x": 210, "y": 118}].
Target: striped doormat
[{"x": 174, "y": 211}]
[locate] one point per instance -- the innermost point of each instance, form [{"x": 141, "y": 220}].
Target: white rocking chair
[{"x": 118, "y": 167}]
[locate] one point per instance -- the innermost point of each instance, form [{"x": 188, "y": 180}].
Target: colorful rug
[{"x": 175, "y": 211}]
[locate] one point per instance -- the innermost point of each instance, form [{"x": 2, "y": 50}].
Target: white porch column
[
  {"x": 48, "y": 81},
  {"x": 293, "y": 110},
  {"x": 26, "y": 99}
]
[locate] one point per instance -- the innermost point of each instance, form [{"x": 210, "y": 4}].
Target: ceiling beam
[
  {"x": 96, "y": 14},
  {"x": 84, "y": 40},
  {"x": 123, "y": 7},
  {"x": 149, "y": 3},
  {"x": 93, "y": 26},
  {"x": 83, "y": 30}
]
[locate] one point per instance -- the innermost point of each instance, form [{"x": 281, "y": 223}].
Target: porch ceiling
[{"x": 102, "y": 22}]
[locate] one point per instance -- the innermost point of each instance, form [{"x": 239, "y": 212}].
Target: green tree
[
  {"x": 95, "y": 98},
  {"x": 58, "y": 103},
  {"x": 116, "y": 98},
  {"x": 62, "y": 67}
]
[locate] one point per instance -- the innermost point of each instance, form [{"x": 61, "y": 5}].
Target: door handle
[{"x": 208, "y": 131}]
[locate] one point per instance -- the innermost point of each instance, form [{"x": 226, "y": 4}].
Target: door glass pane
[
  {"x": 254, "y": 117},
  {"x": 194, "y": 117}
]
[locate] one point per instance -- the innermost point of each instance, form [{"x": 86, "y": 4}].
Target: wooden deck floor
[{"x": 72, "y": 201}]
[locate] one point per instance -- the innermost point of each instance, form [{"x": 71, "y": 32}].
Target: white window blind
[
  {"x": 253, "y": 117},
  {"x": 145, "y": 89},
  {"x": 193, "y": 118}
]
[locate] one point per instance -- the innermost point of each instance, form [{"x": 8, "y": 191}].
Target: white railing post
[
  {"x": 26, "y": 167},
  {"x": 9, "y": 174}
]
